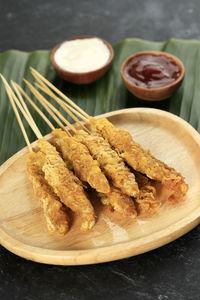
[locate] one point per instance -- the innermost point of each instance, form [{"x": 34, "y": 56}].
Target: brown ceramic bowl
[
  {"x": 153, "y": 94},
  {"x": 86, "y": 77}
]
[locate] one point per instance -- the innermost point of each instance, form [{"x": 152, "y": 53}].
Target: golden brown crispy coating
[
  {"x": 55, "y": 214},
  {"x": 86, "y": 168},
  {"x": 66, "y": 185},
  {"x": 120, "y": 202},
  {"x": 146, "y": 201},
  {"x": 139, "y": 159},
  {"x": 110, "y": 162}
]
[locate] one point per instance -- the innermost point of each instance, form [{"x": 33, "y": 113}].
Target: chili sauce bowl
[
  {"x": 82, "y": 77},
  {"x": 152, "y": 93}
]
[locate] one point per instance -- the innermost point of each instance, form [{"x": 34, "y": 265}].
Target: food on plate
[
  {"x": 146, "y": 202},
  {"x": 120, "y": 170},
  {"x": 120, "y": 202},
  {"x": 139, "y": 159},
  {"x": 110, "y": 162},
  {"x": 55, "y": 213},
  {"x": 66, "y": 185},
  {"x": 86, "y": 168}
]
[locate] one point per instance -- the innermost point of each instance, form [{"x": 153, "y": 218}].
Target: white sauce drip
[{"x": 82, "y": 55}]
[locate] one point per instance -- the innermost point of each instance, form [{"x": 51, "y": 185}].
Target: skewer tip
[
  {"x": 2, "y": 77},
  {"x": 33, "y": 71},
  {"x": 5, "y": 82},
  {"x": 26, "y": 81},
  {"x": 13, "y": 83}
]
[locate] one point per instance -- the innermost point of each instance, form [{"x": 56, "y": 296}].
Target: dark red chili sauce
[{"x": 152, "y": 71}]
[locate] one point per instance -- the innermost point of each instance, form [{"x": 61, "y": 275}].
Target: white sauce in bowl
[{"x": 82, "y": 55}]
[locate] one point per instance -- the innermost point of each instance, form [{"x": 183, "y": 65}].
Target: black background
[{"x": 171, "y": 272}]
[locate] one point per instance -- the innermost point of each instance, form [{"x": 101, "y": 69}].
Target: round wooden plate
[{"x": 22, "y": 226}]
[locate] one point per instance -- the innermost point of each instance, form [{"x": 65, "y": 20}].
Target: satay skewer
[
  {"x": 134, "y": 155},
  {"x": 112, "y": 165},
  {"x": 63, "y": 182},
  {"x": 76, "y": 154},
  {"x": 139, "y": 159},
  {"x": 110, "y": 162},
  {"x": 119, "y": 201},
  {"x": 56, "y": 217},
  {"x": 146, "y": 198}
]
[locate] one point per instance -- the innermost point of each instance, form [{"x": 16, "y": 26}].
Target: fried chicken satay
[
  {"x": 71, "y": 151},
  {"x": 55, "y": 213},
  {"x": 119, "y": 202},
  {"x": 66, "y": 185},
  {"x": 146, "y": 202},
  {"x": 139, "y": 159},
  {"x": 86, "y": 168},
  {"x": 112, "y": 165}
]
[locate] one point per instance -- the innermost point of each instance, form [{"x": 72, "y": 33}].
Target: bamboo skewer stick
[
  {"x": 57, "y": 219},
  {"x": 54, "y": 116},
  {"x": 46, "y": 90},
  {"x": 49, "y": 92},
  {"x": 31, "y": 122},
  {"x": 64, "y": 105},
  {"x": 80, "y": 113},
  {"x": 74, "y": 111},
  {"x": 47, "y": 106},
  {"x": 70, "y": 110},
  {"x": 45, "y": 103},
  {"x": 42, "y": 114},
  {"x": 38, "y": 75},
  {"x": 43, "y": 100},
  {"x": 51, "y": 114},
  {"x": 21, "y": 100},
  {"x": 20, "y": 90},
  {"x": 17, "y": 114}
]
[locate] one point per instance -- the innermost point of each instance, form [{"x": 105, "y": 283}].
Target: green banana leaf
[{"x": 106, "y": 94}]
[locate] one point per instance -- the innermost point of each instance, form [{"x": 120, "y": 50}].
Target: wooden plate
[{"x": 22, "y": 226}]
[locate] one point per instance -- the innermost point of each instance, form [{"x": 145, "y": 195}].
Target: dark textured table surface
[{"x": 171, "y": 272}]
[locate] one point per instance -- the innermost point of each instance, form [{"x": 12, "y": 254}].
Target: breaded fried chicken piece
[
  {"x": 110, "y": 162},
  {"x": 66, "y": 185},
  {"x": 55, "y": 213},
  {"x": 139, "y": 159},
  {"x": 85, "y": 167},
  {"x": 146, "y": 202},
  {"x": 120, "y": 202}
]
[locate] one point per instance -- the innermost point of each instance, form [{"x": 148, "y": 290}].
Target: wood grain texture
[{"x": 22, "y": 226}]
